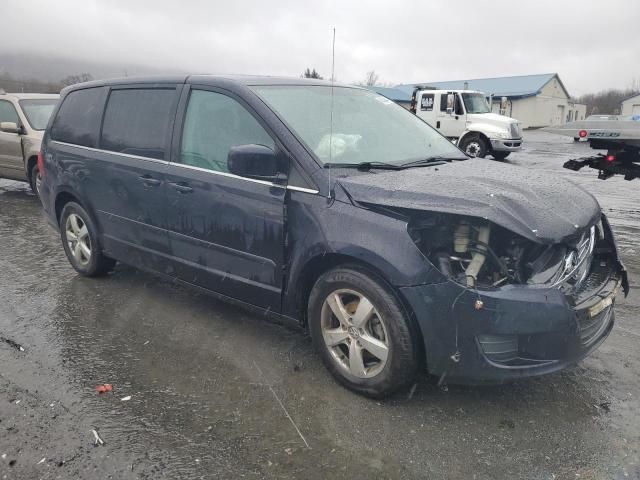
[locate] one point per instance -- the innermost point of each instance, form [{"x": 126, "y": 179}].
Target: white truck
[{"x": 464, "y": 116}]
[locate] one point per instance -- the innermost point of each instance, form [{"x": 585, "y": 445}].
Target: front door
[
  {"x": 559, "y": 120},
  {"x": 225, "y": 231},
  {"x": 11, "y": 162},
  {"x": 450, "y": 124}
]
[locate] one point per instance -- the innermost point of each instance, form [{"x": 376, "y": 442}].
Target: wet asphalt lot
[{"x": 217, "y": 392}]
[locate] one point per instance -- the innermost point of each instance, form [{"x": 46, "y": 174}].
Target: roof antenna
[{"x": 333, "y": 79}]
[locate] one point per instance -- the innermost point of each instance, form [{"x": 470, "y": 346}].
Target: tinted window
[
  {"x": 137, "y": 121},
  {"x": 214, "y": 123},
  {"x": 8, "y": 112},
  {"x": 78, "y": 119},
  {"x": 443, "y": 102}
]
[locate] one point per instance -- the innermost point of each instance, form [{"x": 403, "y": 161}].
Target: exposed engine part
[
  {"x": 479, "y": 256},
  {"x": 444, "y": 263},
  {"x": 461, "y": 238}
]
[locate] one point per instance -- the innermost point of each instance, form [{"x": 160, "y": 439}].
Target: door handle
[
  {"x": 149, "y": 180},
  {"x": 181, "y": 187}
]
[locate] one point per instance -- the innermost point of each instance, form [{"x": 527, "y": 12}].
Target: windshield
[
  {"x": 475, "y": 103},
  {"x": 366, "y": 127},
  {"x": 38, "y": 111}
]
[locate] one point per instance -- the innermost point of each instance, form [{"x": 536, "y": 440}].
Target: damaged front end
[
  {"x": 511, "y": 306},
  {"x": 481, "y": 255}
]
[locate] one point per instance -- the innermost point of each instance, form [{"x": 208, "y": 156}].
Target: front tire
[
  {"x": 500, "y": 156},
  {"x": 474, "y": 146},
  {"x": 362, "y": 333},
  {"x": 80, "y": 241}
]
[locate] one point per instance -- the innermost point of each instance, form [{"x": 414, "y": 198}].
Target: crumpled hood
[{"x": 538, "y": 206}]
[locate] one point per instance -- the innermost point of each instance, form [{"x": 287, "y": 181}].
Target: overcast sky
[{"x": 592, "y": 44}]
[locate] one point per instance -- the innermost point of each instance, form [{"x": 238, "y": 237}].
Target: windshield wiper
[
  {"x": 366, "y": 166},
  {"x": 430, "y": 161}
]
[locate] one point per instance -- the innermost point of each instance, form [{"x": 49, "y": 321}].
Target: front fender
[
  {"x": 30, "y": 148},
  {"x": 318, "y": 229},
  {"x": 486, "y": 129}
]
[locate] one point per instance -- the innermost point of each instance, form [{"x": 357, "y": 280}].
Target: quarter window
[
  {"x": 78, "y": 119},
  {"x": 136, "y": 122},
  {"x": 8, "y": 113},
  {"x": 213, "y": 124}
]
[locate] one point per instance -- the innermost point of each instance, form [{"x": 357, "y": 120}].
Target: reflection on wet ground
[{"x": 204, "y": 376}]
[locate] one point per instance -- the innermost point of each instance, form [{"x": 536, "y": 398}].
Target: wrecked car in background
[
  {"x": 333, "y": 206},
  {"x": 23, "y": 118}
]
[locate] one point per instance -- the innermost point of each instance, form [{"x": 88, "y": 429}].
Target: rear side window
[
  {"x": 78, "y": 120},
  {"x": 136, "y": 121},
  {"x": 8, "y": 112}
]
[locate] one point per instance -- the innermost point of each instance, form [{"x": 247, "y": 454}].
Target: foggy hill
[{"x": 47, "y": 68}]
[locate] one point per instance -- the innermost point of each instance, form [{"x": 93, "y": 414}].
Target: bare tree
[
  {"x": 606, "y": 101},
  {"x": 73, "y": 79},
  {"x": 371, "y": 79},
  {"x": 311, "y": 74}
]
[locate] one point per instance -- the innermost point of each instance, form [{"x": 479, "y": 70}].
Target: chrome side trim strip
[
  {"x": 302, "y": 189},
  {"x": 229, "y": 175},
  {"x": 191, "y": 167},
  {"x": 99, "y": 150}
]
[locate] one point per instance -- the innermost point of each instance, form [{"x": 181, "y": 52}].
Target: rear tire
[
  {"x": 80, "y": 241},
  {"x": 35, "y": 179},
  {"x": 500, "y": 156},
  {"x": 371, "y": 345},
  {"x": 474, "y": 146}
]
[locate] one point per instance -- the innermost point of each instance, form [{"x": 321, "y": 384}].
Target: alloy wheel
[
  {"x": 354, "y": 332},
  {"x": 78, "y": 239}
]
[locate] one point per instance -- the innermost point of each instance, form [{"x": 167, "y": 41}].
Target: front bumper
[
  {"x": 506, "y": 144},
  {"x": 492, "y": 336}
]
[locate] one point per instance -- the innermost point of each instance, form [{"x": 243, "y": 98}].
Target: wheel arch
[
  {"x": 31, "y": 161},
  {"x": 470, "y": 133},
  {"x": 318, "y": 265},
  {"x": 62, "y": 198}
]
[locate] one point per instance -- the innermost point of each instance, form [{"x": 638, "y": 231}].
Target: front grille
[
  {"x": 516, "y": 131},
  {"x": 592, "y": 327}
]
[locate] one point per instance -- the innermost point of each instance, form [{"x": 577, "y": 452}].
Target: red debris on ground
[{"x": 107, "y": 387}]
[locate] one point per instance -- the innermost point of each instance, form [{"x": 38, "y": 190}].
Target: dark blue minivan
[{"x": 332, "y": 206}]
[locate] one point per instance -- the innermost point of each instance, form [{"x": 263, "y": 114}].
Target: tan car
[{"x": 23, "y": 118}]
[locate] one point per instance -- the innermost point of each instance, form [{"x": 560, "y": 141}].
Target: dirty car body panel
[{"x": 506, "y": 274}]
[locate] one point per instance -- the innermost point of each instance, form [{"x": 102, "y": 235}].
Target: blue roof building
[
  {"x": 535, "y": 100},
  {"x": 513, "y": 87},
  {"x": 398, "y": 95}
]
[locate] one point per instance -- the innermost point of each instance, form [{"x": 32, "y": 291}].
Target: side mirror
[
  {"x": 503, "y": 105},
  {"x": 10, "y": 127},
  {"x": 255, "y": 161},
  {"x": 451, "y": 101}
]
